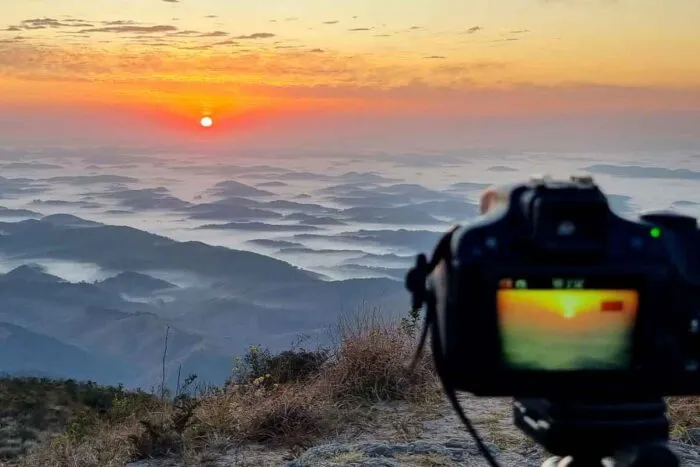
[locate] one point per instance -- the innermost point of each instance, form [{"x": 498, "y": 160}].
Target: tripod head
[{"x": 597, "y": 433}]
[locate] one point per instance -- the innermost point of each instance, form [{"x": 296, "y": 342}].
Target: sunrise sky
[{"x": 106, "y": 67}]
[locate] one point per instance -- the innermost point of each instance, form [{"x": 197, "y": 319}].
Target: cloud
[
  {"x": 156, "y": 44},
  {"x": 73, "y": 34},
  {"x": 289, "y": 66},
  {"x": 291, "y": 19},
  {"x": 414, "y": 28},
  {"x": 256, "y": 35},
  {"x": 302, "y": 74},
  {"x": 519, "y": 31},
  {"x": 331, "y": 22},
  {"x": 360, "y": 29},
  {"x": 171, "y": 1},
  {"x": 214, "y": 34},
  {"x": 119, "y": 22},
  {"x": 474, "y": 29},
  {"x": 316, "y": 51},
  {"x": 44, "y": 23},
  {"x": 382, "y": 35},
  {"x": 186, "y": 32},
  {"x": 136, "y": 29},
  {"x": 211, "y": 16},
  {"x": 228, "y": 42},
  {"x": 147, "y": 37},
  {"x": 197, "y": 47},
  {"x": 435, "y": 57},
  {"x": 51, "y": 22}
]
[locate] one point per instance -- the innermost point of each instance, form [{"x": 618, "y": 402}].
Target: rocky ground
[{"x": 401, "y": 435}]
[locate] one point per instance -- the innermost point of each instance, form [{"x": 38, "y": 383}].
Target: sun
[{"x": 206, "y": 122}]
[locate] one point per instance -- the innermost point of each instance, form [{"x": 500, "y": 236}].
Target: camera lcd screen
[{"x": 565, "y": 324}]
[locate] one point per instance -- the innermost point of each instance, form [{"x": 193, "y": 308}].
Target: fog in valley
[{"x": 103, "y": 249}]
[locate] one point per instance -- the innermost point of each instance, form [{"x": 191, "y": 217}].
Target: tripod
[{"x": 598, "y": 433}]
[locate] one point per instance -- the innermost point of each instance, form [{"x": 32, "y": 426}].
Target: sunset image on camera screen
[{"x": 566, "y": 329}]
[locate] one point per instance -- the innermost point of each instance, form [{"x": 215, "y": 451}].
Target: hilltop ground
[{"x": 353, "y": 404}]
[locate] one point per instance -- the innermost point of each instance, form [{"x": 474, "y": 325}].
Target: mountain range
[{"x": 213, "y": 302}]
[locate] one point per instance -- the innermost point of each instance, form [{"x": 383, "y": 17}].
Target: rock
[
  {"x": 693, "y": 436},
  {"x": 458, "y": 444},
  {"x": 688, "y": 455}
]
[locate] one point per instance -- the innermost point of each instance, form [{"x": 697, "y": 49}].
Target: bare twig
[
  {"x": 165, "y": 353},
  {"x": 177, "y": 388}
]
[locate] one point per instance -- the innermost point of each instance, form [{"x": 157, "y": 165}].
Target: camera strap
[{"x": 416, "y": 283}]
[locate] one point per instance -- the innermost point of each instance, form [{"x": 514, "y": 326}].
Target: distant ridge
[
  {"x": 68, "y": 220},
  {"x": 121, "y": 248},
  {"x": 31, "y": 273},
  {"x": 135, "y": 283}
]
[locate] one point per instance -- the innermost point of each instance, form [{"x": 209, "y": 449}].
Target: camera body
[{"x": 549, "y": 293}]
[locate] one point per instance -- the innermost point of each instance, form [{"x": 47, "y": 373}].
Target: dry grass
[
  {"x": 684, "y": 413},
  {"x": 291, "y": 414},
  {"x": 34, "y": 409},
  {"x": 425, "y": 460},
  {"x": 287, "y": 400},
  {"x": 370, "y": 364},
  {"x": 108, "y": 445}
]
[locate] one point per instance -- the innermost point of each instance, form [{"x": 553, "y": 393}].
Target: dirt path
[{"x": 399, "y": 435}]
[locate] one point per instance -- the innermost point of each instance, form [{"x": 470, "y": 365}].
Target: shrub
[
  {"x": 164, "y": 433},
  {"x": 290, "y": 366},
  {"x": 288, "y": 415},
  {"x": 252, "y": 365},
  {"x": 370, "y": 364}
]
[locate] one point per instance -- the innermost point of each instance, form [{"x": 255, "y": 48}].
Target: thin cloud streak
[{"x": 133, "y": 29}]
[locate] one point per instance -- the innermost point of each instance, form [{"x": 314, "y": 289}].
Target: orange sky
[
  {"x": 177, "y": 60},
  {"x": 565, "y": 311}
]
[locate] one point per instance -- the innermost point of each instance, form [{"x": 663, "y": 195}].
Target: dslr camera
[{"x": 586, "y": 318}]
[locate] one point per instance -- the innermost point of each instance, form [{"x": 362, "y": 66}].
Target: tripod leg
[
  {"x": 552, "y": 462},
  {"x": 559, "y": 462},
  {"x": 569, "y": 461}
]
